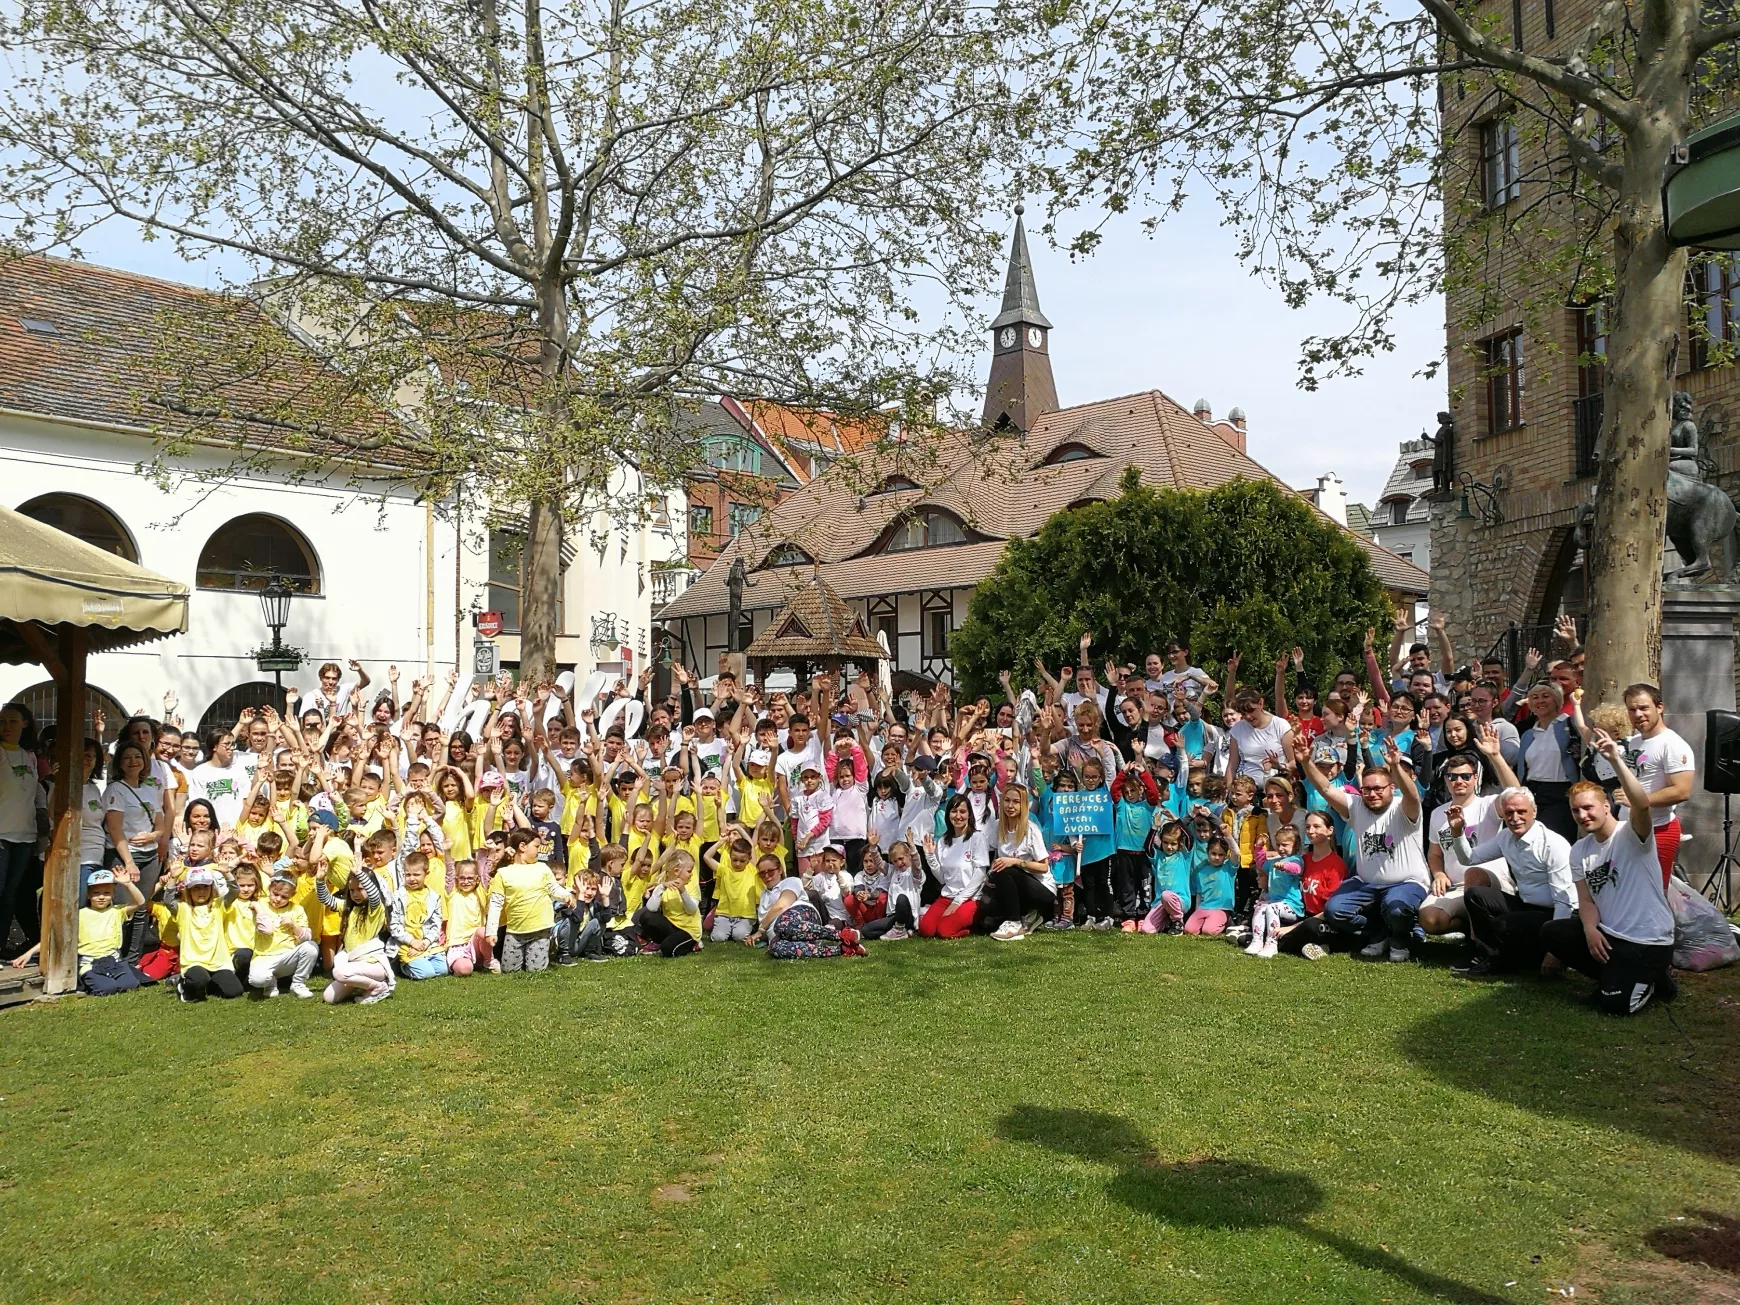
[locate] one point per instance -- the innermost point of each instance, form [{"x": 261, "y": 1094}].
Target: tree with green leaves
[
  {"x": 1344, "y": 142},
  {"x": 542, "y": 231},
  {"x": 1247, "y": 567}
]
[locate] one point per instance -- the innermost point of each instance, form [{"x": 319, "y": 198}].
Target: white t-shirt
[
  {"x": 960, "y": 866},
  {"x": 1072, "y": 700},
  {"x": 1390, "y": 847},
  {"x": 17, "y": 795},
  {"x": 223, "y": 786},
  {"x": 1256, "y": 744},
  {"x": 1029, "y": 845},
  {"x": 1192, "y": 678},
  {"x": 1624, "y": 876},
  {"x": 769, "y": 896},
  {"x": 1544, "y": 759},
  {"x": 710, "y": 756},
  {"x": 137, "y": 805},
  {"x": 92, "y": 840},
  {"x": 1655, "y": 761},
  {"x": 1480, "y": 817},
  {"x": 791, "y": 764}
]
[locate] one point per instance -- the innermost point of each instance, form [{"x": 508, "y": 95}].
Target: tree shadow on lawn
[
  {"x": 1210, "y": 1192},
  {"x": 1713, "y": 1241},
  {"x": 1529, "y": 1044}
]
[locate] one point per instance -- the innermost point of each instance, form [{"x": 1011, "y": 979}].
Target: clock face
[
  {"x": 1034, "y": 337},
  {"x": 1008, "y": 337}
]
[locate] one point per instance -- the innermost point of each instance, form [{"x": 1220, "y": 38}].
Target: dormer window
[
  {"x": 925, "y": 530},
  {"x": 789, "y": 554},
  {"x": 894, "y": 484},
  {"x": 728, "y": 453},
  {"x": 1071, "y": 452}
]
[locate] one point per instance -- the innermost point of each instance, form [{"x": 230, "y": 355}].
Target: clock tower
[{"x": 1020, "y": 388}]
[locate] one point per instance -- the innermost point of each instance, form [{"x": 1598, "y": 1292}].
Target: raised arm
[
  {"x": 1439, "y": 624},
  {"x": 1636, "y": 800},
  {"x": 1403, "y": 778},
  {"x": 1488, "y": 742},
  {"x": 1380, "y": 683}
]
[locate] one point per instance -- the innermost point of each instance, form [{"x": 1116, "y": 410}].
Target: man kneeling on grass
[{"x": 1623, "y": 932}]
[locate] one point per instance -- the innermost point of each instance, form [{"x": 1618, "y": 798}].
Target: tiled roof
[
  {"x": 814, "y": 622},
  {"x": 999, "y": 489},
  {"x": 800, "y": 432},
  {"x": 1405, "y": 483},
  {"x": 130, "y": 351}
]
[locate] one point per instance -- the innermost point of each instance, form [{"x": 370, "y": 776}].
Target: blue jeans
[
  {"x": 1370, "y": 911},
  {"x": 430, "y": 965}
]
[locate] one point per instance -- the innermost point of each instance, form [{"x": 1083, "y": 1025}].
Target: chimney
[
  {"x": 1331, "y": 497},
  {"x": 1204, "y": 413},
  {"x": 1237, "y": 418}
]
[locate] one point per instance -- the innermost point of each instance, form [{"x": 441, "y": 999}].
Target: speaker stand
[{"x": 1719, "y": 884}]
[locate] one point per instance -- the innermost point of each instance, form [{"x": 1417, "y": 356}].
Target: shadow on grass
[
  {"x": 1210, "y": 1192},
  {"x": 1714, "y": 1241},
  {"x": 1529, "y": 1045}
]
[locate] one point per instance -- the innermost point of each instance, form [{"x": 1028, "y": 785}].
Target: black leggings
[
  {"x": 1312, "y": 929},
  {"x": 1631, "y": 977},
  {"x": 901, "y": 915},
  {"x": 197, "y": 983},
  {"x": 1129, "y": 869},
  {"x": 1094, "y": 897},
  {"x": 1014, "y": 892},
  {"x": 655, "y": 928}
]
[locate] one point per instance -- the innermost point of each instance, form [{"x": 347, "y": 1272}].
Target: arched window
[
  {"x": 895, "y": 483},
  {"x": 42, "y": 699},
  {"x": 84, "y": 519},
  {"x": 729, "y": 453},
  {"x": 1071, "y": 452},
  {"x": 230, "y": 703},
  {"x": 244, "y": 553},
  {"x": 926, "y": 529},
  {"x": 788, "y": 554}
]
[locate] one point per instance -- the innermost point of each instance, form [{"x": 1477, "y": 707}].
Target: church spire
[{"x": 1020, "y": 388}]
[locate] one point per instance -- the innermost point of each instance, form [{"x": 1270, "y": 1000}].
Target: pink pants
[
  {"x": 1202, "y": 921},
  {"x": 463, "y": 958},
  {"x": 1169, "y": 907},
  {"x": 355, "y": 979}
]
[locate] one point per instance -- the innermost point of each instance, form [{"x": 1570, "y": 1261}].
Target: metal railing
[{"x": 1513, "y": 643}]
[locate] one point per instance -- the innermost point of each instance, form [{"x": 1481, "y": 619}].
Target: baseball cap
[
  {"x": 703, "y": 713},
  {"x": 759, "y": 756},
  {"x": 924, "y": 764},
  {"x": 492, "y": 779},
  {"x": 100, "y": 877}
]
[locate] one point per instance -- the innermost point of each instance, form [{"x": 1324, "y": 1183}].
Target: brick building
[{"x": 1525, "y": 349}]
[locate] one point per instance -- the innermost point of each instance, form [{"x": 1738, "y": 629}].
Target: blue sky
[{"x": 1176, "y": 312}]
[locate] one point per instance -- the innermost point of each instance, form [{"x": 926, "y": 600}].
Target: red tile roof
[{"x": 1000, "y": 489}]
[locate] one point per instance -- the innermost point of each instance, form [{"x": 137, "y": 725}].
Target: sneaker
[
  {"x": 1059, "y": 925},
  {"x": 495, "y": 967},
  {"x": 268, "y": 992},
  {"x": 1477, "y": 966},
  {"x": 300, "y": 989},
  {"x": 567, "y": 961},
  {"x": 597, "y": 957},
  {"x": 374, "y": 997},
  {"x": 1269, "y": 950},
  {"x": 1007, "y": 931},
  {"x": 1239, "y": 937},
  {"x": 1400, "y": 954},
  {"x": 1174, "y": 926},
  {"x": 1128, "y": 926},
  {"x": 897, "y": 934},
  {"x": 1031, "y": 921},
  {"x": 1106, "y": 924},
  {"x": 1374, "y": 951},
  {"x": 1314, "y": 952},
  {"x": 850, "y": 937},
  {"x": 1552, "y": 967}
]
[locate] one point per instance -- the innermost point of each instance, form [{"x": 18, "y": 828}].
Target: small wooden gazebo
[
  {"x": 62, "y": 599},
  {"x": 814, "y": 631}
]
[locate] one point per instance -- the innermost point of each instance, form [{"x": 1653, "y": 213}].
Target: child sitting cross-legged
[
  {"x": 735, "y": 886},
  {"x": 360, "y": 968},
  {"x": 421, "y": 917},
  {"x": 1279, "y": 868},
  {"x": 670, "y": 912},
  {"x": 284, "y": 946},
  {"x": 102, "y": 971}
]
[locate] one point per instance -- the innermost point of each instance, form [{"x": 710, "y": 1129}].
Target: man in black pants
[
  {"x": 1623, "y": 932},
  {"x": 1504, "y": 928}
]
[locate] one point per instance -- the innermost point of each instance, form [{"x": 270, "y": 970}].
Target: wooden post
[{"x": 60, "y": 877}]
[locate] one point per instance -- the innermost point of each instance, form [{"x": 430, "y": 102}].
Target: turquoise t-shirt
[
  {"x": 1132, "y": 821},
  {"x": 1211, "y": 885},
  {"x": 1172, "y": 873},
  {"x": 1098, "y": 847},
  {"x": 1284, "y": 877},
  {"x": 1190, "y": 737}
]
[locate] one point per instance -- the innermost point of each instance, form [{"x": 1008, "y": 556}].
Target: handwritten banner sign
[{"x": 1081, "y": 814}]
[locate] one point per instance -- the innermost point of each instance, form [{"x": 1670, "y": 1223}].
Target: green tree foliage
[{"x": 1246, "y": 567}]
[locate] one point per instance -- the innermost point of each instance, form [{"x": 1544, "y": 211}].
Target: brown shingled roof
[
  {"x": 1001, "y": 489},
  {"x": 815, "y": 624},
  {"x": 98, "y": 345}
]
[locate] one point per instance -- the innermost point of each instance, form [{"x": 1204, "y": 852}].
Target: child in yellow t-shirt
[
  {"x": 670, "y": 914},
  {"x": 522, "y": 894},
  {"x": 102, "y": 971},
  {"x": 424, "y": 954},
  {"x": 284, "y": 944},
  {"x": 240, "y": 926},
  {"x": 468, "y": 943},
  {"x": 202, "y": 928},
  {"x": 736, "y": 888}
]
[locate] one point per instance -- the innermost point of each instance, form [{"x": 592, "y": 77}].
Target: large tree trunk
[
  {"x": 540, "y": 602},
  {"x": 1625, "y": 559}
]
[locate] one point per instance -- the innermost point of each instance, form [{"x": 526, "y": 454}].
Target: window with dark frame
[
  {"x": 1713, "y": 297},
  {"x": 941, "y": 623},
  {"x": 700, "y": 520},
  {"x": 740, "y": 516},
  {"x": 1504, "y": 382},
  {"x": 1500, "y": 162},
  {"x": 1588, "y": 406},
  {"x": 507, "y": 580}
]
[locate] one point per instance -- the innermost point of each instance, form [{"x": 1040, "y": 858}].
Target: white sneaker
[
  {"x": 1269, "y": 950},
  {"x": 270, "y": 990},
  {"x": 300, "y": 989},
  {"x": 1314, "y": 952},
  {"x": 1254, "y": 948},
  {"x": 1400, "y": 954},
  {"x": 1375, "y": 952},
  {"x": 1010, "y": 932}
]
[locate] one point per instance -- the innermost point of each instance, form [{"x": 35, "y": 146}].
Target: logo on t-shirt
[
  {"x": 220, "y": 788},
  {"x": 1600, "y": 876},
  {"x": 1374, "y": 843}
]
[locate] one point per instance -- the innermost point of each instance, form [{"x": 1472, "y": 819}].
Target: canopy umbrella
[{"x": 62, "y": 599}]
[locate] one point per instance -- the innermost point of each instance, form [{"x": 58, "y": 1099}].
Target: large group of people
[{"x": 373, "y": 837}]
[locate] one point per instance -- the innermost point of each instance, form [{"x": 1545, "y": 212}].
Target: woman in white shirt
[
  {"x": 959, "y": 860},
  {"x": 18, "y": 781},
  {"x": 1020, "y": 868}
]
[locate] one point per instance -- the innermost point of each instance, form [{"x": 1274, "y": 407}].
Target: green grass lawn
[{"x": 1063, "y": 1119}]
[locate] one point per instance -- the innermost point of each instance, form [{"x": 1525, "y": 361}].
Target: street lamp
[{"x": 275, "y": 606}]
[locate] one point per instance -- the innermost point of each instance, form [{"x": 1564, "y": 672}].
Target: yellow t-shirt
[
  {"x": 340, "y": 861},
  {"x": 281, "y": 938},
  {"x": 618, "y": 812},
  {"x": 456, "y": 831},
  {"x": 754, "y": 800},
  {"x": 634, "y": 886},
  {"x": 204, "y": 935},
  {"x": 737, "y": 887},
  {"x": 481, "y": 824},
  {"x": 167, "y": 932},
  {"x": 649, "y": 840},
  {"x": 577, "y": 799},
  {"x": 239, "y": 928},
  {"x": 362, "y": 933},
  {"x": 778, "y": 850},
  {"x": 249, "y": 832},
  {"x": 712, "y": 811},
  {"x": 466, "y": 914},
  {"x": 100, "y": 933},
  {"x": 579, "y": 857},
  {"x": 417, "y": 904},
  {"x": 525, "y": 891},
  {"x": 672, "y": 908}
]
